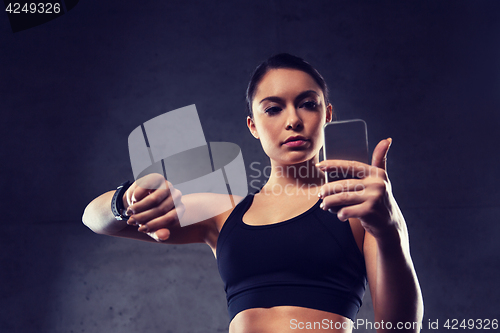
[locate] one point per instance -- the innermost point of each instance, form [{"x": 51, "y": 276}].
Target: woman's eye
[
  {"x": 310, "y": 105},
  {"x": 272, "y": 110}
]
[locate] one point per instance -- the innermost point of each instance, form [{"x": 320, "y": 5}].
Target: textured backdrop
[{"x": 426, "y": 73}]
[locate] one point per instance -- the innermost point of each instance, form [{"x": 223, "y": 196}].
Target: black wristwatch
[{"x": 117, "y": 202}]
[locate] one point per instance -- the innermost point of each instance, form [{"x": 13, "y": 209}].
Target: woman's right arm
[
  {"x": 99, "y": 218},
  {"x": 155, "y": 215}
]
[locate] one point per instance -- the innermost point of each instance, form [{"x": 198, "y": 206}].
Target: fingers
[
  {"x": 144, "y": 186},
  {"x": 339, "y": 186},
  {"x": 159, "y": 236},
  {"x": 151, "y": 181},
  {"x": 341, "y": 169},
  {"x": 155, "y": 206},
  {"x": 343, "y": 199},
  {"x": 366, "y": 198},
  {"x": 165, "y": 220},
  {"x": 352, "y": 197},
  {"x": 355, "y": 211},
  {"x": 159, "y": 199},
  {"x": 158, "y": 228}
]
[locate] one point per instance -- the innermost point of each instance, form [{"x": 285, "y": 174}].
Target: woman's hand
[
  {"x": 394, "y": 286},
  {"x": 154, "y": 205},
  {"x": 367, "y": 197}
]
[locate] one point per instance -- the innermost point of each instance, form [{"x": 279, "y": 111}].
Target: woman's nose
[{"x": 293, "y": 120}]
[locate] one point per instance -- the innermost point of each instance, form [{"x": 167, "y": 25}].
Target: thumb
[
  {"x": 379, "y": 157},
  {"x": 162, "y": 234}
]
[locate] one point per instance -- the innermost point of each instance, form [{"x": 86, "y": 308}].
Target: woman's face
[{"x": 288, "y": 116}]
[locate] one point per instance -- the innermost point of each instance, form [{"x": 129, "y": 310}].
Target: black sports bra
[{"x": 310, "y": 261}]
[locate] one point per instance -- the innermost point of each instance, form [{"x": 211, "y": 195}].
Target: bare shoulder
[
  {"x": 220, "y": 219},
  {"x": 211, "y": 208}
]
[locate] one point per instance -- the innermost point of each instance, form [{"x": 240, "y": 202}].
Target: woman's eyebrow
[
  {"x": 299, "y": 97},
  {"x": 305, "y": 94},
  {"x": 272, "y": 99}
]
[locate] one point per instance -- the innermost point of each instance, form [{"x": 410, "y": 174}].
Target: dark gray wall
[{"x": 426, "y": 73}]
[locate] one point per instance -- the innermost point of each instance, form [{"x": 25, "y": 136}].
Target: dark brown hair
[{"x": 282, "y": 60}]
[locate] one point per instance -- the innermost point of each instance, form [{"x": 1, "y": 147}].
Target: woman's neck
[{"x": 300, "y": 178}]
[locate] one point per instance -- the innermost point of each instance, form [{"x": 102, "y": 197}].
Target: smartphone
[{"x": 345, "y": 140}]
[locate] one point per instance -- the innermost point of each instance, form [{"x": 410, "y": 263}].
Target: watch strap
[{"x": 117, "y": 202}]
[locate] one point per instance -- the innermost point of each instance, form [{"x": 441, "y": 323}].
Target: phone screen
[{"x": 345, "y": 140}]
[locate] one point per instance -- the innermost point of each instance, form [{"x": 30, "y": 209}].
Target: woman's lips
[{"x": 295, "y": 143}]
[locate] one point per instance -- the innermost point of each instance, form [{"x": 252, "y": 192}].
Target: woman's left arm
[{"x": 392, "y": 278}]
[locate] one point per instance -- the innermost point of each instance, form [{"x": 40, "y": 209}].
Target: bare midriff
[{"x": 284, "y": 319}]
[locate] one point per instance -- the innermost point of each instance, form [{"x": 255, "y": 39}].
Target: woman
[{"x": 287, "y": 262}]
